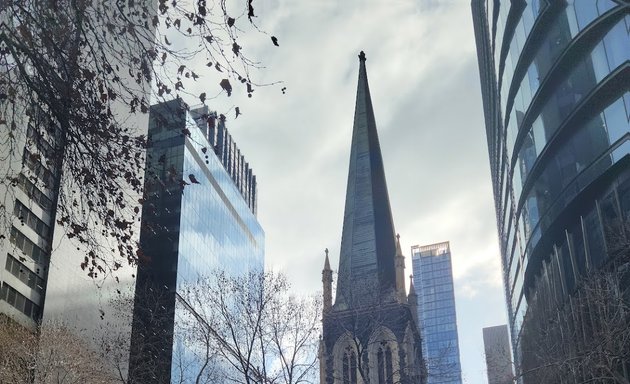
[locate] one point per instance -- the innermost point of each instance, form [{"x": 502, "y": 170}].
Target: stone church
[{"x": 370, "y": 333}]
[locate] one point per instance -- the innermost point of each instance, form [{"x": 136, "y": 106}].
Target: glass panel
[
  {"x": 616, "y": 44},
  {"x": 567, "y": 265},
  {"x": 617, "y": 123},
  {"x": 612, "y": 223},
  {"x": 586, "y": 11},
  {"x": 595, "y": 238},
  {"x": 19, "y": 302}
]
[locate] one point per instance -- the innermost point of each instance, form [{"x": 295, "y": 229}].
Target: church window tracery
[
  {"x": 384, "y": 365},
  {"x": 349, "y": 367}
]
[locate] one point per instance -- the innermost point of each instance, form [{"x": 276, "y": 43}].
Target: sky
[{"x": 424, "y": 83}]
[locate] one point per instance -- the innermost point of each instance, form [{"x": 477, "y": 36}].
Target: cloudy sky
[{"x": 425, "y": 90}]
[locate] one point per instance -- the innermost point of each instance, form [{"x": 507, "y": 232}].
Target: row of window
[
  {"x": 564, "y": 28},
  {"x": 424, "y": 274},
  {"x": 449, "y": 319},
  {"x": 562, "y": 173},
  {"x": 19, "y": 301},
  {"x": 521, "y": 33},
  {"x": 33, "y": 192},
  {"x": 440, "y": 296},
  {"x": 33, "y": 162},
  {"x": 428, "y": 290},
  {"x": 439, "y": 313},
  {"x": 42, "y": 144},
  {"x": 27, "y": 276},
  {"x": 606, "y": 56},
  {"x": 27, "y": 246},
  {"x": 27, "y": 217},
  {"x": 450, "y": 336},
  {"x": 440, "y": 328},
  {"x": 589, "y": 240},
  {"x": 435, "y": 266},
  {"x": 428, "y": 306}
]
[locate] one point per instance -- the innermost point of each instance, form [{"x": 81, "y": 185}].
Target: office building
[
  {"x": 433, "y": 280},
  {"x": 28, "y": 199},
  {"x": 554, "y": 81},
  {"x": 370, "y": 332},
  {"x": 198, "y": 217},
  {"x": 496, "y": 345}
]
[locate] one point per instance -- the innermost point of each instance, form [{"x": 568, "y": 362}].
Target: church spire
[
  {"x": 412, "y": 299},
  {"x": 367, "y": 269},
  {"x": 400, "y": 272},
  {"x": 327, "y": 283}
]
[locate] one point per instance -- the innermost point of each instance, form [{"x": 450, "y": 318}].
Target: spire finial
[
  {"x": 362, "y": 56},
  {"x": 398, "y": 248},
  {"x": 326, "y": 251},
  {"x": 412, "y": 289}
]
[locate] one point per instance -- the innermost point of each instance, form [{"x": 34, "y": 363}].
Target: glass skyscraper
[
  {"x": 198, "y": 217},
  {"x": 555, "y": 86},
  {"x": 433, "y": 281}
]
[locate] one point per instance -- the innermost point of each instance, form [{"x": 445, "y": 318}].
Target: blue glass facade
[
  {"x": 433, "y": 281},
  {"x": 555, "y": 85},
  {"x": 195, "y": 221}
]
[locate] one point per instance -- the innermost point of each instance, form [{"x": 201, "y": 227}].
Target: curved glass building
[{"x": 555, "y": 87}]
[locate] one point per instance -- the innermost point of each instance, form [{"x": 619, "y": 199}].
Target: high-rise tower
[
  {"x": 199, "y": 216},
  {"x": 369, "y": 334},
  {"x": 496, "y": 345},
  {"x": 555, "y": 77},
  {"x": 433, "y": 273}
]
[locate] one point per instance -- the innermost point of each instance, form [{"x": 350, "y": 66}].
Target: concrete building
[
  {"x": 496, "y": 345},
  {"x": 198, "y": 217},
  {"x": 26, "y": 241},
  {"x": 370, "y": 332},
  {"x": 554, "y": 80},
  {"x": 433, "y": 281}
]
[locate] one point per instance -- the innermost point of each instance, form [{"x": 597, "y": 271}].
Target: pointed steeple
[
  {"x": 412, "y": 289},
  {"x": 400, "y": 272},
  {"x": 413, "y": 300},
  {"x": 367, "y": 269},
  {"x": 327, "y": 284},
  {"x": 327, "y": 262}
]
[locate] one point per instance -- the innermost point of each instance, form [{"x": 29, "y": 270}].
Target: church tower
[{"x": 370, "y": 334}]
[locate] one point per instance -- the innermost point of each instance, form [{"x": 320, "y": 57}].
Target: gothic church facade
[{"x": 370, "y": 333}]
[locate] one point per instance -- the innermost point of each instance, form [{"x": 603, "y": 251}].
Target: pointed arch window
[
  {"x": 349, "y": 367},
  {"x": 385, "y": 368}
]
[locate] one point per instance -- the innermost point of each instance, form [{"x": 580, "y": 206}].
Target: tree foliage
[
  {"x": 250, "y": 329},
  {"x": 76, "y": 78},
  {"x": 50, "y": 354}
]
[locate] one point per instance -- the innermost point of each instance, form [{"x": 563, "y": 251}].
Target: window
[
  {"x": 27, "y": 246},
  {"x": 43, "y": 146},
  {"x": 19, "y": 301},
  {"x": 349, "y": 367},
  {"x": 385, "y": 367},
  {"x": 33, "y": 192},
  {"x": 27, "y": 276},
  {"x": 33, "y": 162},
  {"x": 27, "y": 217},
  {"x": 595, "y": 238}
]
